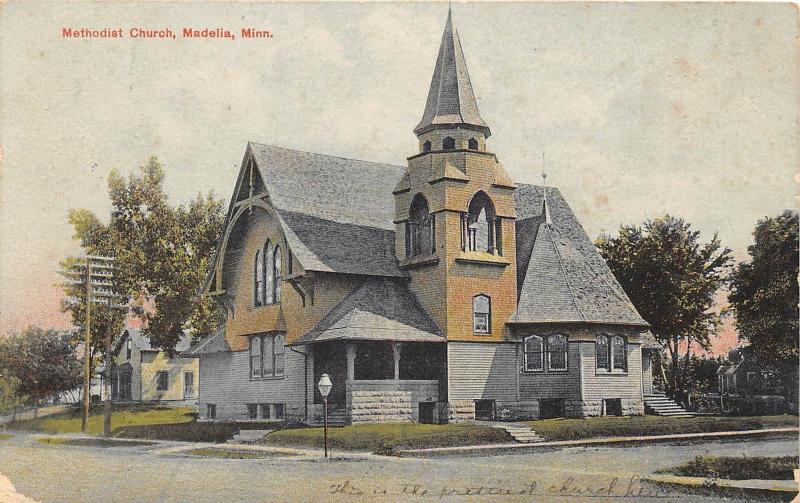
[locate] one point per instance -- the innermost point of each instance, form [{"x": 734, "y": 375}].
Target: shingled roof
[
  {"x": 142, "y": 342},
  {"x": 450, "y": 98},
  {"x": 214, "y": 343},
  {"x": 379, "y": 309},
  {"x": 561, "y": 275}
]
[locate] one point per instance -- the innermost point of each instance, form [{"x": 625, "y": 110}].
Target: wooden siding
[
  {"x": 601, "y": 384},
  {"x": 152, "y": 363},
  {"x": 478, "y": 370},
  {"x": 552, "y": 384},
  {"x": 225, "y": 381}
]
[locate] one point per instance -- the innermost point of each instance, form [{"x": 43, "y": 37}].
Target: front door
[{"x": 188, "y": 384}]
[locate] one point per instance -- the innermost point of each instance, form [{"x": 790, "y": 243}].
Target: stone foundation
[
  {"x": 591, "y": 408},
  {"x": 459, "y": 411}
]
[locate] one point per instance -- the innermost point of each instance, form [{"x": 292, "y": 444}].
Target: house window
[
  {"x": 280, "y": 411},
  {"x": 265, "y": 411},
  {"x": 448, "y": 144},
  {"x": 478, "y": 225},
  {"x": 255, "y": 357},
  {"x": 211, "y": 411},
  {"x": 611, "y": 353},
  {"x": 473, "y": 144},
  {"x": 269, "y": 273},
  {"x": 128, "y": 349},
  {"x": 481, "y": 314},
  {"x": 420, "y": 233},
  {"x": 557, "y": 352},
  {"x": 602, "y": 353},
  {"x": 162, "y": 380},
  {"x": 267, "y": 356},
  {"x": 252, "y": 411},
  {"x": 276, "y": 265},
  {"x": 618, "y": 349},
  {"x": 258, "y": 279},
  {"x": 533, "y": 354},
  {"x": 426, "y": 147}
]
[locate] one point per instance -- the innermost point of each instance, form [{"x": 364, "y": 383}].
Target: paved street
[{"x": 156, "y": 473}]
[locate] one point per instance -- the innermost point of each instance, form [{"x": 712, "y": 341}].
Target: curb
[
  {"x": 489, "y": 449},
  {"x": 784, "y": 490}
]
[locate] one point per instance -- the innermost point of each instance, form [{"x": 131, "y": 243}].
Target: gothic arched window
[
  {"x": 426, "y": 147},
  {"x": 448, "y": 144},
  {"x": 269, "y": 275},
  {"x": 276, "y": 265},
  {"x": 473, "y": 144},
  {"x": 618, "y": 350},
  {"x": 258, "y": 279},
  {"x": 533, "y": 354},
  {"x": 478, "y": 225},
  {"x": 420, "y": 232},
  {"x": 557, "y": 352},
  {"x": 482, "y": 314},
  {"x": 602, "y": 353}
]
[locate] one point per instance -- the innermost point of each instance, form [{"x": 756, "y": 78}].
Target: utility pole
[{"x": 97, "y": 274}]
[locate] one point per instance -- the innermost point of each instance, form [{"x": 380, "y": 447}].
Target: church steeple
[{"x": 451, "y": 102}]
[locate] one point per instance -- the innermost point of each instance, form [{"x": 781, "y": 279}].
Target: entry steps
[
  {"x": 660, "y": 405},
  {"x": 336, "y": 417},
  {"x": 248, "y": 436},
  {"x": 520, "y": 432}
]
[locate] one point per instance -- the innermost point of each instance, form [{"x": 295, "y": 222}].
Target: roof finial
[{"x": 544, "y": 189}]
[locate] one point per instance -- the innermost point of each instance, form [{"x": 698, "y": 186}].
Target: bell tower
[{"x": 454, "y": 210}]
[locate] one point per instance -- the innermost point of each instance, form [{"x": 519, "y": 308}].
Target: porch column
[
  {"x": 396, "y": 347},
  {"x": 351, "y": 361}
]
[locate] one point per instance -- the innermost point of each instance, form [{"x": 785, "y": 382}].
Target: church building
[{"x": 440, "y": 291}]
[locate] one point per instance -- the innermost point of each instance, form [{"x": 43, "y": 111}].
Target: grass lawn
[
  {"x": 571, "y": 429},
  {"x": 124, "y": 415},
  {"x": 5, "y": 436},
  {"x": 388, "y": 437},
  {"x": 738, "y": 468},
  {"x": 91, "y": 442},
  {"x": 211, "y": 452}
]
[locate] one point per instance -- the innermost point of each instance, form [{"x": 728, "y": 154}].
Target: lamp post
[{"x": 325, "y": 386}]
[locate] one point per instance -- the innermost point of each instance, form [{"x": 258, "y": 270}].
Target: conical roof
[{"x": 450, "y": 98}]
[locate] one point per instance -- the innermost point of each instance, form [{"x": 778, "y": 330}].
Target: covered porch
[{"x": 376, "y": 381}]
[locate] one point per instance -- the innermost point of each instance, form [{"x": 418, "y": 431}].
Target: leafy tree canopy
[
  {"x": 671, "y": 277},
  {"x": 162, "y": 253},
  {"x": 764, "y": 291},
  {"x": 39, "y": 363}
]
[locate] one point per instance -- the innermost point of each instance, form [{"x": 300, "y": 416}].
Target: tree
[
  {"x": 671, "y": 278},
  {"x": 9, "y": 398},
  {"x": 764, "y": 293},
  {"x": 42, "y": 363},
  {"x": 162, "y": 255}
]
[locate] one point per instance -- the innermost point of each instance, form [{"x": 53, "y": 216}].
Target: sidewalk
[
  {"x": 487, "y": 449},
  {"x": 783, "y": 489}
]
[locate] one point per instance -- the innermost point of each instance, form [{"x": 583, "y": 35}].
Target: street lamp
[{"x": 325, "y": 386}]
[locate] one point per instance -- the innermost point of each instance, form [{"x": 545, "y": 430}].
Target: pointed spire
[
  {"x": 451, "y": 101},
  {"x": 547, "y": 219}
]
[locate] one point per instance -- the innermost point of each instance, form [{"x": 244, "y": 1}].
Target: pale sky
[{"x": 641, "y": 109}]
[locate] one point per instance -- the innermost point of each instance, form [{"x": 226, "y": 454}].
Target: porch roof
[{"x": 381, "y": 309}]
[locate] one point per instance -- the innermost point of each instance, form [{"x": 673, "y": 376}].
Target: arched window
[
  {"x": 533, "y": 354},
  {"x": 473, "y": 144},
  {"x": 269, "y": 275},
  {"x": 448, "y": 144},
  {"x": 258, "y": 279},
  {"x": 426, "y": 147},
  {"x": 602, "y": 353},
  {"x": 481, "y": 314},
  {"x": 618, "y": 349},
  {"x": 478, "y": 224},
  {"x": 255, "y": 357},
  {"x": 420, "y": 239},
  {"x": 557, "y": 352},
  {"x": 276, "y": 265}
]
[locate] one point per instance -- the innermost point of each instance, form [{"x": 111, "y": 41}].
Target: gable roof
[
  {"x": 561, "y": 275},
  {"x": 142, "y": 342},
  {"x": 347, "y": 191},
  {"x": 450, "y": 97},
  {"x": 379, "y": 309},
  {"x": 214, "y": 343}
]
